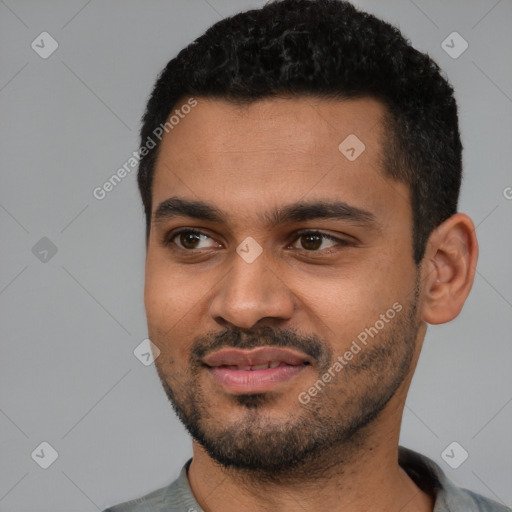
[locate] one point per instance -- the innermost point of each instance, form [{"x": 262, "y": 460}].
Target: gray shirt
[{"x": 178, "y": 497}]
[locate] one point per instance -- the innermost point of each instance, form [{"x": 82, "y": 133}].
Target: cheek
[
  {"x": 168, "y": 292},
  {"x": 172, "y": 300},
  {"x": 163, "y": 312},
  {"x": 344, "y": 303},
  {"x": 157, "y": 299}
]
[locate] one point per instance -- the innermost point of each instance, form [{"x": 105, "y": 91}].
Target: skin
[{"x": 228, "y": 155}]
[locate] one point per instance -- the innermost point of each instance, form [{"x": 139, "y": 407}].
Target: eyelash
[{"x": 168, "y": 239}]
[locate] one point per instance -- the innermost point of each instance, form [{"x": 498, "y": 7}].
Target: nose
[{"x": 251, "y": 292}]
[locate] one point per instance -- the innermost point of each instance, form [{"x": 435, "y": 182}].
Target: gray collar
[{"x": 423, "y": 471}]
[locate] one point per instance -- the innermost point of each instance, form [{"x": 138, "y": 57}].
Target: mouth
[
  {"x": 254, "y": 371},
  {"x": 264, "y": 366}
]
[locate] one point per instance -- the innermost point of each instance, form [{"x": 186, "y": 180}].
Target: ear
[{"x": 448, "y": 269}]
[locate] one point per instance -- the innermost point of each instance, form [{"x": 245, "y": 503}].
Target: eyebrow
[{"x": 294, "y": 212}]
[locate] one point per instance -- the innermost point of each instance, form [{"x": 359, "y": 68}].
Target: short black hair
[{"x": 326, "y": 49}]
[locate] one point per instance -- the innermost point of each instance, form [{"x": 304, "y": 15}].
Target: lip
[
  {"x": 253, "y": 381},
  {"x": 255, "y": 357},
  {"x": 230, "y": 368}
]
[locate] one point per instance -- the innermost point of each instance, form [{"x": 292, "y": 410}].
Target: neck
[{"x": 359, "y": 477}]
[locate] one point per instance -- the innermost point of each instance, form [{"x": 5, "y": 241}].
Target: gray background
[{"x": 69, "y": 325}]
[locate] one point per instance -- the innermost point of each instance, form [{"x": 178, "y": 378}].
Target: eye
[
  {"x": 189, "y": 239},
  {"x": 312, "y": 240}
]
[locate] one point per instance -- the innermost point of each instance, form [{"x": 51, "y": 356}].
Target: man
[{"x": 300, "y": 173}]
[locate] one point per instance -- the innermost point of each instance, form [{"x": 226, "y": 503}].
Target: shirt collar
[{"x": 425, "y": 473}]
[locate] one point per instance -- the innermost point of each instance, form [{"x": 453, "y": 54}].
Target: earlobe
[{"x": 449, "y": 272}]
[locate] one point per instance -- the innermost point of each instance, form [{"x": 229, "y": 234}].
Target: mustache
[{"x": 265, "y": 336}]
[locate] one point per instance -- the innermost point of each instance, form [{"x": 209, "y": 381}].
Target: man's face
[{"x": 289, "y": 285}]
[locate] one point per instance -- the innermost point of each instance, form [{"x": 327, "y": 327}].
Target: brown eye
[
  {"x": 188, "y": 239},
  {"x": 312, "y": 240}
]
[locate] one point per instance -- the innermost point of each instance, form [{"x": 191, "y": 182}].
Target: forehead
[
  {"x": 277, "y": 150},
  {"x": 302, "y": 126}
]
